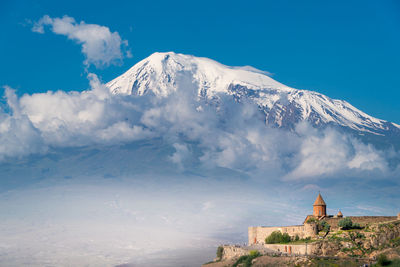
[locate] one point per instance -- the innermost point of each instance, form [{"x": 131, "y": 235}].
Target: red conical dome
[{"x": 319, "y": 201}]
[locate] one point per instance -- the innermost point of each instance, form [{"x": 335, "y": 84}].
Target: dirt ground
[
  {"x": 268, "y": 261},
  {"x": 264, "y": 261},
  {"x": 226, "y": 263},
  {"x": 258, "y": 262}
]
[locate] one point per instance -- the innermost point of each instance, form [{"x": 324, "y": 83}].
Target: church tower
[{"x": 319, "y": 207}]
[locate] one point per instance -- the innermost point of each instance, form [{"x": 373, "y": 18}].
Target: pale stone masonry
[
  {"x": 258, "y": 234},
  {"x": 362, "y": 220}
]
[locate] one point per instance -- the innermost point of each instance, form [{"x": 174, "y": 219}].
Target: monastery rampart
[
  {"x": 362, "y": 220},
  {"x": 258, "y": 234},
  {"x": 235, "y": 251},
  {"x": 300, "y": 249}
]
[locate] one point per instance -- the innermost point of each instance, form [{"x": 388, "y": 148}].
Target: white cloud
[
  {"x": 328, "y": 152},
  {"x": 82, "y": 118},
  {"x": 366, "y": 158},
  {"x": 100, "y": 46},
  {"x": 18, "y": 137},
  {"x": 124, "y": 132},
  {"x": 181, "y": 153},
  {"x": 230, "y": 135}
]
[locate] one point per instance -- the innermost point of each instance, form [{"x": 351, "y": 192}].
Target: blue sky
[{"x": 344, "y": 49}]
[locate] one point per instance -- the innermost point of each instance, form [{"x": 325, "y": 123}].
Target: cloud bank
[
  {"x": 100, "y": 46},
  {"x": 229, "y": 135}
]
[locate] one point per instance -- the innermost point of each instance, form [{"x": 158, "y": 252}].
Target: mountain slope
[{"x": 161, "y": 74}]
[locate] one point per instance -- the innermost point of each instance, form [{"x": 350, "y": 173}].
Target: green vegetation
[
  {"x": 297, "y": 238},
  {"x": 277, "y": 237},
  {"x": 325, "y": 226},
  {"x": 346, "y": 249},
  {"x": 395, "y": 242},
  {"x": 356, "y": 235},
  {"x": 322, "y": 225},
  {"x": 220, "y": 251},
  {"x": 357, "y": 246},
  {"x": 337, "y": 237},
  {"x": 245, "y": 261},
  {"x": 301, "y": 241},
  {"x": 254, "y": 253},
  {"x": 393, "y": 263},
  {"x": 383, "y": 260},
  {"x": 367, "y": 228},
  {"x": 347, "y": 224},
  {"x": 312, "y": 220}
]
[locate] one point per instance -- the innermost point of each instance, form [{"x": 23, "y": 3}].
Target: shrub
[
  {"x": 346, "y": 249},
  {"x": 345, "y": 223},
  {"x": 245, "y": 261},
  {"x": 312, "y": 220},
  {"x": 277, "y": 237},
  {"x": 395, "y": 242},
  {"x": 220, "y": 251},
  {"x": 360, "y": 235},
  {"x": 254, "y": 253},
  {"x": 325, "y": 226},
  {"x": 383, "y": 260},
  {"x": 273, "y": 238},
  {"x": 297, "y": 238},
  {"x": 285, "y": 238}
]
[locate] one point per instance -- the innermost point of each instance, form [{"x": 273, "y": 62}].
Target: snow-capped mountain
[{"x": 161, "y": 74}]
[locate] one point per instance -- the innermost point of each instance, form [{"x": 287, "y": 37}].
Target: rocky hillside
[{"x": 354, "y": 247}]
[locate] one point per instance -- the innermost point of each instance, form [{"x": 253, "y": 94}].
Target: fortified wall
[
  {"x": 233, "y": 251},
  {"x": 258, "y": 234},
  {"x": 362, "y": 220}
]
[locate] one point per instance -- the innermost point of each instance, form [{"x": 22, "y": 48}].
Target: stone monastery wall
[
  {"x": 258, "y": 234},
  {"x": 230, "y": 252},
  {"x": 362, "y": 220}
]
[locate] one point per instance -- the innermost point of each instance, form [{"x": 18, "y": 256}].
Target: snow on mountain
[{"x": 161, "y": 74}]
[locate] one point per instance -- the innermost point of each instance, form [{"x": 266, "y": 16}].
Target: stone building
[{"x": 309, "y": 228}]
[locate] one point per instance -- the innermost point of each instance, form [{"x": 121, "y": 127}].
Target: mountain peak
[{"x": 161, "y": 74}]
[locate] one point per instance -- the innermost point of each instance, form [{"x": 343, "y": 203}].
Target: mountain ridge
[{"x": 283, "y": 106}]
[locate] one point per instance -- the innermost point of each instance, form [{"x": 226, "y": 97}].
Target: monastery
[{"x": 309, "y": 228}]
